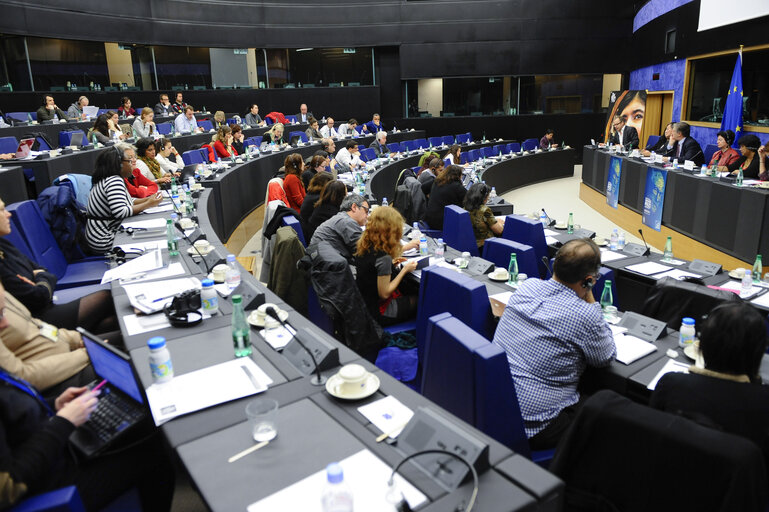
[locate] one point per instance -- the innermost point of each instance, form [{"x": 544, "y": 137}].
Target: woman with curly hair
[{"x": 379, "y": 249}]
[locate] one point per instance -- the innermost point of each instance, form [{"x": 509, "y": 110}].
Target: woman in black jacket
[
  {"x": 447, "y": 189},
  {"x": 314, "y": 188},
  {"x": 328, "y": 205}
]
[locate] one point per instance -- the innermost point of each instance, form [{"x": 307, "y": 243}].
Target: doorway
[{"x": 659, "y": 112}]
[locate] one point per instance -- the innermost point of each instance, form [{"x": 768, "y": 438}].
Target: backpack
[{"x": 66, "y": 218}]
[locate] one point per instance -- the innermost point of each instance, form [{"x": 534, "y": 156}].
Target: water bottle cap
[
  {"x": 747, "y": 273},
  {"x": 207, "y": 283},
  {"x": 423, "y": 238},
  {"x": 687, "y": 321},
  {"x": 440, "y": 240},
  {"x": 230, "y": 258},
  {"x": 237, "y": 299},
  {"x": 156, "y": 342},
  {"x": 174, "y": 217},
  {"x": 334, "y": 473}
]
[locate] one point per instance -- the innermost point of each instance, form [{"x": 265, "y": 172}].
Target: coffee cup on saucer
[
  {"x": 202, "y": 245},
  {"x": 352, "y": 382},
  {"x": 259, "y": 318},
  {"x": 220, "y": 272},
  {"x": 188, "y": 224},
  {"x": 499, "y": 273}
]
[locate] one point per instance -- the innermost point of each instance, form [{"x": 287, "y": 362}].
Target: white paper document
[
  {"x": 366, "y": 477},
  {"x": 174, "y": 269},
  {"x": 648, "y": 268},
  {"x": 160, "y": 208},
  {"x": 761, "y": 301},
  {"x": 675, "y": 273},
  {"x": 146, "y": 224},
  {"x": 737, "y": 287},
  {"x": 608, "y": 255},
  {"x": 630, "y": 349},
  {"x": 278, "y": 337},
  {"x": 671, "y": 366},
  {"x": 550, "y": 232},
  {"x": 150, "y": 245},
  {"x": 502, "y": 297},
  {"x": 204, "y": 388},
  {"x": 152, "y": 297},
  {"x": 549, "y": 240},
  {"x": 389, "y": 415},
  {"x": 141, "y": 265}
]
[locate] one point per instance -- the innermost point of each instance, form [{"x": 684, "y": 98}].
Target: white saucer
[
  {"x": 734, "y": 275},
  {"x": 690, "y": 351},
  {"x": 560, "y": 225},
  {"x": 251, "y": 319},
  {"x": 211, "y": 277},
  {"x": 601, "y": 242},
  {"x": 192, "y": 251},
  {"x": 369, "y": 387},
  {"x": 499, "y": 277}
]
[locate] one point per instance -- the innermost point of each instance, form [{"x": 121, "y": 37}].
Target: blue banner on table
[
  {"x": 612, "y": 182},
  {"x": 654, "y": 197}
]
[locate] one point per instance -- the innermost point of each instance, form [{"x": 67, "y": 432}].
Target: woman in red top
[
  {"x": 139, "y": 186},
  {"x": 125, "y": 109},
  {"x": 223, "y": 143},
  {"x": 726, "y": 154},
  {"x": 292, "y": 183}
]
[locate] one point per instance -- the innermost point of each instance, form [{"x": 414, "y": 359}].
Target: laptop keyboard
[{"x": 113, "y": 414}]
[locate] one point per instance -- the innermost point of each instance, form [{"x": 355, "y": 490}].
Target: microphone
[
  {"x": 318, "y": 379},
  {"x": 550, "y": 221},
  {"x": 546, "y": 262},
  {"x": 178, "y": 226},
  {"x": 648, "y": 251}
]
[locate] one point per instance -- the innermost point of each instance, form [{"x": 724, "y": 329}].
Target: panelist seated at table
[
  {"x": 164, "y": 148},
  {"x": 447, "y": 189},
  {"x": 303, "y": 114},
  {"x": 75, "y": 111},
  {"x": 319, "y": 163},
  {"x": 623, "y": 134},
  {"x": 327, "y": 205},
  {"x": 144, "y": 126},
  {"x": 50, "y": 111},
  {"x": 454, "y": 151},
  {"x": 726, "y": 154},
  {"x": 485, "y": 224},
  {"x": 108, "y": 202},
  {"x": 314, "y": 190},
  {"x": 328, "y": 130},
  {"x": 253, "y": 119},
  {"x": 139, "y": 186},
  {"x": 427, "y": 175},
  {"x": 275, "y": 135},
  {"x": 349, "y": 156},
  {"x": 223, "y": 143},
  {"x": 373, "y": 126},
  {"x": 551, "y": 331},
  {"x": 179, "y": 105},
  {"x": 186, "y": 123},
  {"x": 348, "y": 128},
  {"x": 749, "y": 162},
  {"x": 682, "y": 147},
  {"x": 125, "y": 110},
  {"x": 546, "y": 142},
  {"x": 378, "y": 252},
  {"x": 36, "y": 457},
  {"x": 380, "y": 145},
  {"x": 312, "y": 131},
  {"x": 148, "y": 165},
  {"x": 163, "y": 107},
  {"x": 343, "y": 230},
  {"x": 659, "y": 146},
  {"x": 727, "y": 394}
]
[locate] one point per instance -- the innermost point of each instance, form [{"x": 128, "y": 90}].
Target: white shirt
[
  {"x": 346, "y": 158},
  {"x": 345, "y": 129},
  {"x": 167, "y": 165},
  {"x": 326, "y": 132}
]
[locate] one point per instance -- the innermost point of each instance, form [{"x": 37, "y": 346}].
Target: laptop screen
[{"x": 113, "y": 367}]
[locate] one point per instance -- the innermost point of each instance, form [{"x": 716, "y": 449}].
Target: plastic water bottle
[
  {"x": 758, "y": 269},
  {"x": 173, "y": 246},
  {"x": 493, "y": 193},
  {"x": 570, "y": 224},
  {"x": 189, "y": 205},
  {"x": 607, "y": 299},
  {"x": 668, "y": 254},
  {"x": 337, "y": 496},
  {"x": 621, "y": 240},
  {"x": 208, "y": 297},
  {"x": 512, "y": 270},
  {"x": 174, "y": 187},
  {"x": 233, "y": 272},
  {"x": 747, "y": 282},
  {"x": 423, "y": 246},
  {"x": 241, "y": 333},
  {"x": 178, "y": 205},
  {"x": 614, "y": 240},
  {"x": 384, "y": 201},
  {"x": 686, "y": 333},
  {"x": 416, "y": 231},
  {"x": 439, "y": 249},
  {"x": 543, "y": 219},
  {"x": 704, "y": 170},
  {"x": 29, "y": 118},
  {"x": 161, "y": 367},
  {"x": 191, "y": 182}
]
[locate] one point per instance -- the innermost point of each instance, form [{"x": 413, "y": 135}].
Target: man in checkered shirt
[{"x": 551, "y": 331}]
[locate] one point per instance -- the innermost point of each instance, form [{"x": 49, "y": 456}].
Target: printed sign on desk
[
  {"x": 612, "y": 183},
  {"x": 654, "y": 197}
]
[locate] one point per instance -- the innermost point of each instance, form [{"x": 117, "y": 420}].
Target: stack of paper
[
  {"x": 607, "y": 256},
  {"x": 151, "y": 297},
  {"x": 648, "y": 268},
  {"x": 141, "y": 265},
  {"x": 630, "y": 349}
]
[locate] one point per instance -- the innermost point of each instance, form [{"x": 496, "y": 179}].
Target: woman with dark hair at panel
[
  {"x": 749, "y": 161},
  {"x": 238, "y": 139},
  {"x": 163, "y": 151},
  {"x": 379, "y": 249},
  {"x": 292, "y": 183},
  {"x": 447, "y": 189},
  {"x": 318, "y": 163},
  {"x": 485, "y": 224},
  {"x": 661, "y": 144},
  {"x": 726, "y": 154},
  {"x": 314, "y": 188},
  {"x": 219, "y": 120},
  {"x": 312, "y": 132},
  {"x": 100, "y": 130},
  {"x": 223, "y": 143},
  {"x": 148, "y": 165},
  {"x": 327, "y": 205},
  {"x": 108, "y": 202},
  {"x": 125, "y": 110},
  {"x": 727, "y": 393},
  {"x": 454, "y": 151}
]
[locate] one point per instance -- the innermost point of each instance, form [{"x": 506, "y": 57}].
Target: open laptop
[
  {"x": 77, "y": 139},
  {"x": 121, "y": 401},
  {"x": 25, "y": 148}
]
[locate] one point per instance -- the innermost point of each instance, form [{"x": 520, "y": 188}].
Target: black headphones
[
  {"x": 183, "y": 306},
  {"x": 120, "y": 256},
  {"x": 130, "y": 231}
]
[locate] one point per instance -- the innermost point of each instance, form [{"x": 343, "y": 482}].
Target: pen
[{"x": 99, "y": 386}]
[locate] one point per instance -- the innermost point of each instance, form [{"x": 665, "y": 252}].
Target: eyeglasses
[
  {"x": 364, "y": 209},
  {"x": 132, "y": 159}
]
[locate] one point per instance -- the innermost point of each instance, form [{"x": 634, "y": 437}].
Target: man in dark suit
[
  {"x": 380, "y": 145},
  {"x": 303, "y": 114},
  {"x": 624, "y": 135},
  {"x": 682, "y": 147}
]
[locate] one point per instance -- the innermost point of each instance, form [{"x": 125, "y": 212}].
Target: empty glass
[{"x": 262, "y": 414}]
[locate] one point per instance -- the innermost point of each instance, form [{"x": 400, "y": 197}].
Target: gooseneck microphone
[
  {"x": 178, "y": 226},
  {"x": 318, "y": 379},
  {"x": 648, "y": 251},
  {"x": 546, "y": 262}
]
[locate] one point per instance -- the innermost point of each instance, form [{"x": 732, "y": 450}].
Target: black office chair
[{"x": 671, "y": 300}]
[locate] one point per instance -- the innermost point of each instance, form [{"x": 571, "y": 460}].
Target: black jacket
[
  {"x": 13, "y": 263},
  {"x": 440, "y": 197},
  {"x": 629, "y": 138},
  {"x": 690, "y": 150}
]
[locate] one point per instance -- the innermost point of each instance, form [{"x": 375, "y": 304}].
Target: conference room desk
[
  {"x": 731, "y": 219},
  {"x": 520, "y": 171},
  {"x": 13, "y": 185}
]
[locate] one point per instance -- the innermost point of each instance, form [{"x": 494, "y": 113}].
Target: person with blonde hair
[
  {"x": 275, "y": 134},
  {"x": 379, "y": 249},
  {"x": 219, "y": 120},
  {"x": 223, "y": 143},
  {"x": 144, "y": 126}
]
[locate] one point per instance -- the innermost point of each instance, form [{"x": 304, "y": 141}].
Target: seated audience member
[
  {"x": 186, "y": 122},
  {"x": 373, "y": 126},
  {"x": 223, "y": 143},
  {"x": 163, "y": 151},
  {"x": 343, "y": 230},
  {"x": 427, "y": 176},
  {"x": 485, "y": 224},
  {"x": 425, "y": 159},
  {"x": 762, "y": 164},
  {"x": 292, "y": 183},
  {"x": 148, "y": 165},
  {"x": 327, "y": 204},
  {"x": 314, "y": 188},
  {"x": 139, "y": 186},
  {"x": 144, "y": 126},
  {"x": 33, "y": 286},
  {"x": 659, "y": 146},
  {"x": 179, "y": 107},
  {"x": 253, "y": 119},
  {"x": 108, "y": 202},
  {"x": 329, "y": 146},
  {"x": 348, "y": 128},
  {"x": 727, "y": 394},
  {"x": 546, "y": 142},
  {"x": 238, "y": 139},
  {"x": 100, "y": 130},
  {"x": 447, "y": 189},
  {"x": 312, "y": 131},
  {"x": 682, "y": 147},
  {"x": 349, "y": 156},
  {"x": 318, "y": 163},
  {"x": 219, "y": 120},
  {"x": 114, "y": 126},
  {"x": 623, "y": 134},
  {"x": 551, "y": 331},
  {"x": 303, "y": 114},
  {"x": 379, "y": 250},
  {"x": 49, "y": 111},
  {"x": 75, "y": 111},
  {"x": 749, "y": 162},
  {"x": 125, "y": 109},
  {"x": 380, "y": 145},
  {"x": 328, "y": 129},
  {"x": 726, "y": 154},
  {"x": 454, "y": 151},
  {"x": 275, "y": 134},
  {"x": 163, "y": 107}
]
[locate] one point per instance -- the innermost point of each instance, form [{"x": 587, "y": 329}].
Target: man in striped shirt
[{"x": 551, "y": 331}]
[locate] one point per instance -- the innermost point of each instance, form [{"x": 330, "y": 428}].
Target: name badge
[{"x": 49, "y": 331}]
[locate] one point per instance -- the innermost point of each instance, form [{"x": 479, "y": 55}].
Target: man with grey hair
[
  {"x": 328, "y": 129},
  {"x": 380, "y": 145},
  {"x": 682, "y": 146},
  {"x": 343, "y": 230}
]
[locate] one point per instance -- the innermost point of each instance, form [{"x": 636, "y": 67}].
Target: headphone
[
  {"x": 120, "y": 256},
  {"x": 185, "y": 304},
  {"x": 589, "y": 282},
  {"x": 129, "y": 231}
]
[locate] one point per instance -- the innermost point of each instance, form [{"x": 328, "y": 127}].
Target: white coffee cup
[
  {"x": 353, "y": 379},
  {"x": 187, "y": 224},
  {"x": 499, "y": 272},
  {"x": 220, "y": 272},
  {"x": 202, "y": 245},
  {"x": 262, "y": 318},
  {"x": 739, "y": 272}
]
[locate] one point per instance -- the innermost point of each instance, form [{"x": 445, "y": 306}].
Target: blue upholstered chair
[
  {"x": 301, "y": 134},
  {"x": 394, "y": 147},
  {"x": 8, "y": 144},
  {"x": 530, "y": 144},
  {"x": 448, "y": 140},
  {"x": 293, "y": 222},
  {"x": 710, "y": 149},
  {"x": 473, "y": 155},
  {"x": 515, "y": 147},
  {"x": 194, "y": 156},
  {"x": 206, "y": 125},
  {"x": 653, "y": 139},
  {"x": 435, "y": 141},
  {"x": 164, "y": 128},
  {"x": 464, "y": 138},
  {"x": 530, "y": 232},
  {"x": 368, "y": 154},
  {"x": 488, "y": 152},
  {"x": 458, "y": 230},
  {"x": 498, "y": 251}
]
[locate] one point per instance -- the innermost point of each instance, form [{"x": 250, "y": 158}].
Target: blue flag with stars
[{"x": 732, "y": 119}]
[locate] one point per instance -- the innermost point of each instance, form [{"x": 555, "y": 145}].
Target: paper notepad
[
  {"x": 675, "y": 273},
  {"x": 146, "y": 224},
  {"x": 607, "y": 256},
  {"x": 137, "y": 266},
  {"x": 630, "y": 349},
  {"x": 648, "y": 268},
  {"x": 671, "y": 366},
  {"x": 388, "y": 415}
]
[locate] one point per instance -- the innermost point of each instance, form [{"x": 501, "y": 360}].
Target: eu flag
[{"x": 732, "y": 119}]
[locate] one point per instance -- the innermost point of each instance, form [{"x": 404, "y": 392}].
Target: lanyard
[{"x": 27, "y": 388}]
